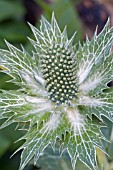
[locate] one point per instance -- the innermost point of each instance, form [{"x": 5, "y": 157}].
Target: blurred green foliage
[
  {"x": 14, "y": 29},
  {"x": 51, "y": 159},
  {"x": 12, "y": 26}
]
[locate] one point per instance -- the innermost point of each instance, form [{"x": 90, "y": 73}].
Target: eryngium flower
[{"x": 60, "y": 88}]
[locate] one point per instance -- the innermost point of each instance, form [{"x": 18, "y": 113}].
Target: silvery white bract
[{"x": 61, "y": 87}]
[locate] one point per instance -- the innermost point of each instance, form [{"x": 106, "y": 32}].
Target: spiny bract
[{"x": 60, "y": 88}]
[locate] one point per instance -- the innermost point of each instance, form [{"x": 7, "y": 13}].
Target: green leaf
[
  {"x": 21, "y": 66},
  {"x": 101, "y": 105},
  {"x": 81, "y": 146},
  {"x": 4, "y": 144},
  {"x": 4, "y": 83},
  {"x": 37, "y": 139},
  {"x": 93, "y": 54},
  {"x": 19, "y": 107},
  {"x": 100, "y": 75},
  {"x": 50, "y": 159},
  {"x": 14, "y": 31}
]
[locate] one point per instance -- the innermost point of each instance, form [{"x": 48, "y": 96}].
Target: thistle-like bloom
[{"x": 60, "y": 88}]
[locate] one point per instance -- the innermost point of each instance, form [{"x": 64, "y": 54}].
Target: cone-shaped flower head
[
  {"x": 60, "y": 87},
  {"x": 59, "y": 71},
  {"x": 58, "y": 63}
]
